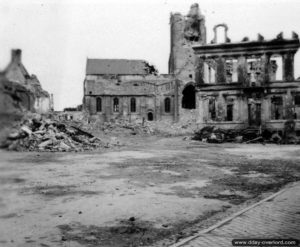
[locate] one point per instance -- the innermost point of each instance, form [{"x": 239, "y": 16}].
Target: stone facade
[
  {"x": 248, "y": 83},
  {"x": 230, "y": 85},
  {"x": 131, "y": 97}
]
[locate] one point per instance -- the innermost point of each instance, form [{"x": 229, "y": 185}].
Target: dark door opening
[
  {"x": 229, "y": 116},
  {"x": 150, "y": 116},
  {"x": 189, "y": 98},
  {"x": 254, "y": 114}
]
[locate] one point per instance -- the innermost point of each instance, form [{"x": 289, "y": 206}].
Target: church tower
[{"x": 186, "y": 31}]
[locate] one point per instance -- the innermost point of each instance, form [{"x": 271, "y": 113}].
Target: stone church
[{"x": 222, "y": 83}]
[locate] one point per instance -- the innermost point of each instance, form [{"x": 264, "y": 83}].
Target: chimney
[{"x": 16, "y": 56}]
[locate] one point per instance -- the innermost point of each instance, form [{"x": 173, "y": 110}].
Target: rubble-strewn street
[{"x": 154, "y": 191}]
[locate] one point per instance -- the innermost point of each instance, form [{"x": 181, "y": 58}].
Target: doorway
[
  {"x": 150, "y": 116},
  {"x": 254, "y": 114}
]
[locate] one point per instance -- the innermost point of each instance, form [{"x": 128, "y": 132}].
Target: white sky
[{"x": 57, "y": 36}]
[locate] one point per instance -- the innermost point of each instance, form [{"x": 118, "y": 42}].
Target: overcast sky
[{"x": 57, "y": 36}]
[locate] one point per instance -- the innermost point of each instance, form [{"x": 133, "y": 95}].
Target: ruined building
[
  {"x": 221, "y": 83},
  {"x": 25, "y": 89},
  {"x": 128, "y": 89},
  {"x": 132, "y": 89},
  {"x": 186, "y": 31},
  {"x": 247, "y": 83}
]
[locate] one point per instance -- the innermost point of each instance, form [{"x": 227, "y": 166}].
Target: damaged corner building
[
  {"x": 20, "y": 91},
  {"x": 232, "y": 85}
]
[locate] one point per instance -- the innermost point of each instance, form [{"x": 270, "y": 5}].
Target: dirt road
[{"x": 152, "y": 193}]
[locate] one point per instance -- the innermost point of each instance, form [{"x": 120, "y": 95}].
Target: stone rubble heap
[
  {"x": 158, "y": 128},
  {"x": 38, "y": 134},
  {"x": 212, "y": 134},
  {"x": 119, "y": 127},
  {"x": 134, "y": 128}
]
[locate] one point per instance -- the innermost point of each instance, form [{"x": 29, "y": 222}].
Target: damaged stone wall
[
  {"x": 14, "y": 97},
  {"x": 225, "y": 108},
  {"x": 264, "y": 93},
  {"x": 42, "y": 103},
  {"x": 186, "y": 31},
  {"x": 17, "y": 73},
  {"x": 274, "y": 107},
  {"x": 131, "y": 97},
  {"x": 15, "y": 101}
]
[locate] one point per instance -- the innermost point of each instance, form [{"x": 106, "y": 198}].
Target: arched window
[
  {"x": 99, "y": 105},
  {"x": 132, "y": 105},
  {"x": 116, "y": 105},
  {"x": 167, "y": 105}
]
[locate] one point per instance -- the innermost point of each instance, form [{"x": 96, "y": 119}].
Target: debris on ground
[
  {"x": 171, "y": 129},
  {"x": 213, "y": 134},
  {"x": 139, "y": 127},
  {"x": 117, "y": 127},
  {"x": 37, "y": 133}
]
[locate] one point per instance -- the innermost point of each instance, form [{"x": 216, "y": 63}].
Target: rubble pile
[
  {"x": 124, "y": 127},
  {"x": 167, "y": 129},
  {"x": 38, "y": 134},
  {"x": 135, "y": 128},
  {"x": 212, "y": 134},
  {"x": 120, "y": 127}
]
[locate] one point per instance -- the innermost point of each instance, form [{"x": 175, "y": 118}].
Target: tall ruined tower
[{"x": 186, "y": 31}]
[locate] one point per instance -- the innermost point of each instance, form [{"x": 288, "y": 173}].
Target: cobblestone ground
[{"x": 276, "y": 218}]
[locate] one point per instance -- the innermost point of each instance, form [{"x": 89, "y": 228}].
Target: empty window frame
[
  {"x": 231, "y": 70},
  {"x": 276, "y": 68},
  {"x": 167, "y": 105},
  {"x": 116, "y": 105},
  {"x": 210, "y": 71},
  {"x": 211, "y": 75},
  {"x": 132, "y": 105},
  {"x": 99, "y": 105},
  {"x": 220, "y": 34},
  {"x": 254, "y": 69},
  {"x": 277, "y": 108}
]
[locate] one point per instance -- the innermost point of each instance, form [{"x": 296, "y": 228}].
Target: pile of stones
[{"x": 40, "y": 134}]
